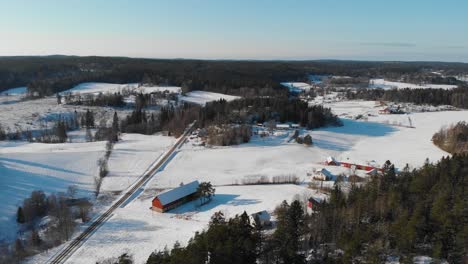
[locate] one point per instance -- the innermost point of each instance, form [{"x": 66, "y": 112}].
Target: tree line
[
  {"x": 457, "y": 97},
  {"x": 453, "y": 139},
  {"x": 52, "y": 74}
]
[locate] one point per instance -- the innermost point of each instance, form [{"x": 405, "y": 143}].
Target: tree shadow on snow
[
  {"x": 353, "y": 127},
  {"x": 40, "y": 165},
  {"x": 218, "y": 199}
]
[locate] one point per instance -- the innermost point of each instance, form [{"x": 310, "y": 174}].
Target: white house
[
  {"x": 263, "y": 217},
  {"x": 324, "y": 175}
]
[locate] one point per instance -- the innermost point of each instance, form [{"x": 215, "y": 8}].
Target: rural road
[{"x": 72, "y": 246}]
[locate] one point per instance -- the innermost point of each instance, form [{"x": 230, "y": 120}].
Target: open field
[{"x": 138, "y": 230}]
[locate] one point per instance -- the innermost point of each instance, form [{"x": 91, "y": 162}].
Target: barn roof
[{"x": 178, "y": 193}]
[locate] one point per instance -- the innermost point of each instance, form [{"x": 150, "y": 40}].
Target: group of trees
[
  {"x": 226, "y": 135},
  {"x": 240, "y": 240},
  {"x": 139, "y": 121},
  {"x": 419, "y": 212},
  {"x": 453, "y": 139},
  {"x": 456, "y": 97},
  {"x": 59, "y": 227},
  {"x": 101, "y": 99},
  {"x": 249, "y": 110}
]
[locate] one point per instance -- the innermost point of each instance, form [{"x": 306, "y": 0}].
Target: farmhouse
[
  {"x": 171, "y": 199},
  {"x": 324, "y": 175},
  {"x": 263, "y": 218}
]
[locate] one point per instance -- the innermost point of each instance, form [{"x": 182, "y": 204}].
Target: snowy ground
[
  {"x": 139, "y": 230},
  {"x": 131, "y": 156},
  {"x": 202, "y": 97},
  {"x": 95, "y": 88},
  {"x": 381, "y": 83},
  {"x": 15, "y": 91},
  {"x": 25, "y": 167}
]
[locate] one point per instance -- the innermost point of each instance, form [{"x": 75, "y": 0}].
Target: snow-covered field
[
  {"x": 131, "y": 156},
  {"x": 383, "y": 84},
  {"x": 25, "y": 167},
  {"x": 95, "y": 88},
  {"x": 138, "y": 230},
  {"x": 15, "y": 91},
  {"x": 203, "y": 97},
  {"x": 134, "y": 228},
  {"x": 297, "y": 87}
]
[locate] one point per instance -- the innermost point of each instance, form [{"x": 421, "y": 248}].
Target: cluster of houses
[{"x": 326, "y": 175}]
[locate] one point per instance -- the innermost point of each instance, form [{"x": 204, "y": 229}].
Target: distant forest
[
  {"x": 48, "y": 75},
  {"x": 457, "y": 97}
]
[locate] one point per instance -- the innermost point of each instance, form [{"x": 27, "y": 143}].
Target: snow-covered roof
[
  {"x": 327, "y": 173},
  {"x": 178, "y": 193},
  {"x": 282, "y": 125},
  {"x": 262, "y": 215}
]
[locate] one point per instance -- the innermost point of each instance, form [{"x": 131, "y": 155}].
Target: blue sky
[{"x": 295, "y": 29}]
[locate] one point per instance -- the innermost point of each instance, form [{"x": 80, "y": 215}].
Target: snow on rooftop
[
  {"x": 327, "y": 173},
  {"x": 178, "y": 193},
  {"x": 262, "y": 215}
]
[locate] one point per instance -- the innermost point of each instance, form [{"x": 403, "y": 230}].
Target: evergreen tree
[
  {"x": 115, "y": 128},
  {"x": 308, "y": 140},
  {"x": 20, "y": 215}
]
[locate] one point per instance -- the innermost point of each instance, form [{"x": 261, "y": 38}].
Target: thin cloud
[
  {"x": 389, "y": 44},
  {"x": 454, "y": 47}
]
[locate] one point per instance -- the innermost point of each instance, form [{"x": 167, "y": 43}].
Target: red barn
[{"x": 171, "y": 199}]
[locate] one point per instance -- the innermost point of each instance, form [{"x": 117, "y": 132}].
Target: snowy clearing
[
  {"x": 15, "y": 91},
  {"x": 383, "y": 84},
  {"x": 139, "y": 230},
  {"x": 95, "y": 88},
  {"x": 297, "y": 87},
  {"x": 203, "y": 97},
  {"x": 25, "y": 167}
]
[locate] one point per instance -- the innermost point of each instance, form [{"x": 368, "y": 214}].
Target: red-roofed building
[{"x": 171, "y": 199}]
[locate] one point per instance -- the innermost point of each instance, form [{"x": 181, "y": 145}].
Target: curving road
[{"x": 67, "y": 251}]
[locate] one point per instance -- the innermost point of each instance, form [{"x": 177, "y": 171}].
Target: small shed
[
  {"x": 313, "y": 203},
  {"x": 295, "y": 126},
  {"x": 331, "y": 161},
  {"x": 173, "y": 198},
  {"x": 263, "y": 217}
]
